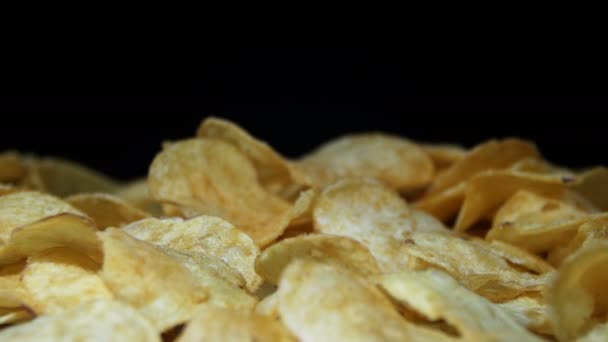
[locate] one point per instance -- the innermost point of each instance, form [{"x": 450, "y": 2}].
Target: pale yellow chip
[
  {"x": 444, "y": 155},
  {"x": 595, "y": 229},
  {"x": 269, "y": 306},
  {"x": 210, "y": 273},
  {"x": 60, "y": 280},
  {"x": 274, "y": 172},
  {"x": 31, "y": 222},
  {"x": 14, "y": 315},
  {"x": 536, "y": 223},
  {"x": 137, "y": 193},
  {"x": 207, "y": 234},
  {"x": 518, "y": 256},
  {"x": 530, "y": 312},
  {"x": 398, "y": 162},
  {"x": 599, "y": 333},
  {"x": 443, "y": 204},
  {"x": 100, "y": 320},
  {"x": 493, "y": 154},
  {"x": 577, "y": 297},
  {"x": 438, "y": 296},
  {"x": 7, "y": 189},
  {"x": 222, "y": 324},
  {"x": 373, "y": 214},
  {"x": 150, "y": 280},
  {"x": 106, "y": 210},
  {"x": 63, "y": 177},
  {"x": 487, "y": 191},
  {"x": 12, "y": 168},
  {"x": 475, "y": 264},
  {"x": 12, "y": 293},
  {"x": 593, "y": 185},
  {"x": 331, "y": 249},
  {"x": 206, "y": 176}
]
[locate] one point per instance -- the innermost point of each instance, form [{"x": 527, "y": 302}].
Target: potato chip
[
  {"x": 474, "y": 264},
  {"x": 12, "y": 293},
  {"x": 594, "y": 229},
  {"x": 221, "y": 324},
  {"x": 331, "y": 249},
  {"x": 137, "y": 193},
  {"x": 444, "y": 204},
  {"x": 156, "y": 284},
  {"x": 517, "y": 256},
  {"x": 269, "y": 306},
  {"x": 106, "y": 210},
  {"x": 593, "y": 186},
  {"x": 12, "y": 168},
  {"x": 60, "y": 280},
  {"x": 444, "y": 155},
  {"x": 487, "y": 191},
  {"x": 536, "y": 223},
  {"x": 274, "y": 172},
  {"x": 7, "y": 189},
  {"x": 399, "y": 163},
  {"x": 100, "y": 320},
  {"x": 319, "y": 302},
  {"x": 494, "y": 154},
  {"x": 598, "y": 333},
  {"x": 371, "y": 213},
  {"x": 577, "y": 296},
  {"x": 530, "y": 312},
  {"x": 63, "y": 177},
  {"x": 438, "y": 296},
  {"x": 203, "y": 176},
  {"x": 14, "y": 315},
  {"x": 206, "y": 234}
]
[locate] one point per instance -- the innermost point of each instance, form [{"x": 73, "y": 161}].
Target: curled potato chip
[
  {"x": 206, "y": 234},
  {"x": 274, "y": 172},
  {"x": 331, "y": 249},
  {"x": 60, "y": 280},
  {"x": 137, "y": 193},
  {"x": 536, "y": 223},
  {"x": 444, "y": 155},
  {"x": 530, "y": 312},
  {"x": 150, "y": 280},
  {"x": 14, "y": 315},
  {"x": 494, "y": 154},
  {"x": 487, "y": 191},
  {"x": 63, "y": 177},
  {"x": 444, "y": 204},
  {"x": 517, "y": 256},
  {"x": 577, "y": 296},
  {"x": 396, "y": 161},
  {"x": 269, "y": 306},
  {"x": 12, "y": 168},
  {"x": 100, "y": 320},
  {"x": 106, "y": 210},
  {"x": 594, "y": 229},
  {"x": 438, "y": 296},
  {"x": 593, "y": 185},
  {"x": 12, "y": 293},
  {"x": 475, "y": 264},
  {"x": 373, "y": 214},
  {"x": 205, "y": 176},
  {"x": 221, "y": 324},
  {"x": 598, "y": 333}
]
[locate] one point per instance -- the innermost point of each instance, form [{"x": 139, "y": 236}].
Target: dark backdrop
[{"x": 112, "y": 111}]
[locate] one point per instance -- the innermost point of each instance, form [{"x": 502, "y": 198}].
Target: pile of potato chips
[{"x": 371, "y": 237}]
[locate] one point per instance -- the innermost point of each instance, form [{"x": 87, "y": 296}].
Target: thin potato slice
[
  {"x": 221, "y": 324},
  {"x": 491, "y": 155},
  {"x": 12, "y": 293},
  {"x": 474, "y": 264},
  {"x": 444, "y": 155},
  {"x": 106, "y": 210},
  {"x": 12, "y": 168},
  {"x": 207, "y": 234},
  {"x": 331, "y": 249},
  {"x": 60, "y": 280},
  {"x": 444, "y": 204},
  {"x": 137, "y": 193},
  {"x": 517, "y": 256},
  {"x": 396, "y": 161},
  {"x": 599, "y": 333},
  {"x": 100, "y": 320},
  {"x": 438, "y": 296},
  {"x": 269, "y": 306},
  {"x": 63, "y": 177},
  {"x": 595, "y": 229},
  {"x": 593, "y": 186},
  {"x": 530, "y": 312},
  {"x": 319, "y": 302},
  {"x": 150, "y": 280},
  {"x": 274, "y": 172},
  {"x": 577, "y": 297},
  {"x": 205, "y": 176},
  {"x": 14, "y": 315},
  {"x": 371, "y": 213}
]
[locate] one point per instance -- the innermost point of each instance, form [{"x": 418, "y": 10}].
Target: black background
[{"x": 112, "y": 111}]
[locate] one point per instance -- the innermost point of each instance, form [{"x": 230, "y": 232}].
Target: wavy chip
[
  {"x": 206, "y": 176},
  {"x": 12, "y": 167},
  {"x": 398, "y": 162},
  {"x": 371, "y": 213},
  {"x": 221, "y": 324},
  {"x": 106, "y": 210},
  {"x": 207, "y": 234},
  {"x": 14, "y": 315},
  {"x": 60, "y": 280},
  {"x": 150, "y": 280},
  {"x": 475, "y": 264},
  {"x": 137, "y": 193},
  {"x": 12, "y": 293},
  {"x": 593, "y": 185},
  {"x": 438, "y": 296},
  {"x": 530, "y": 312},
  {"x": 331, "y": 249},
  {"x": 577, "y": 296},
  {"x": 594, "y": 229},
  {"x": 444, "y": 155},
  {"x": 100, "y": 320}
]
